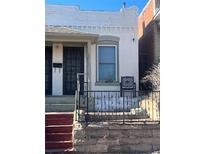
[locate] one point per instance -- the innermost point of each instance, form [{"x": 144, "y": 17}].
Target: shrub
[{"x": 153, "y": 77}]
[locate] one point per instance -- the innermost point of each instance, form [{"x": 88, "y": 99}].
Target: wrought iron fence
[{"x": 104, "y": 106}]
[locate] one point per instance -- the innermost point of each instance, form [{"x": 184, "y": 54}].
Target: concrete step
[
  {"x": 59, "y": 144},
  {"x": 59, "y": 107},
  {"x": 55, "y": 115},
  {"x": 58, "y": 136},
  {"x": 60, "y": 99},
  {"x": 60, "y": 103},
  {"x": 60, "y": 151},
  {"x": 59, "y": 121},
  {"x": 58, "y": 131}
]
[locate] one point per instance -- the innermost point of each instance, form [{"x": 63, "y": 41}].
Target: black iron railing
[
  {"x": 116, "y": 106},
  {"x": 132, "y": 106}
]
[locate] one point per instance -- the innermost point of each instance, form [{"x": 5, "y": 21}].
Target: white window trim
[{"x": 116, "y": 61}]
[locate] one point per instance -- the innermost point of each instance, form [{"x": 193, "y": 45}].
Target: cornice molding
[{"x": 97, "y": 28}]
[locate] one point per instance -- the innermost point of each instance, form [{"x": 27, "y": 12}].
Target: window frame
[{"x": 116, "y": 63}]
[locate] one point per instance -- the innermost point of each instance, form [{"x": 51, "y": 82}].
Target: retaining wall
[{"x": 112, "y": 138}]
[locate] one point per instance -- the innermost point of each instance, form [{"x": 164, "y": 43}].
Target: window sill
[{"x": 107, "y": 84}]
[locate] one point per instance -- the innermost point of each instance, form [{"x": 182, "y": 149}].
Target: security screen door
[
  {"x": 48, "y": 70},
  {"x": 73, "y": 63}
]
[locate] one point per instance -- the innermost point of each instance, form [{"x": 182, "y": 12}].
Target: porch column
[
  {"x": 89, "y": 64},
  {"x": 57, "y": 78}
]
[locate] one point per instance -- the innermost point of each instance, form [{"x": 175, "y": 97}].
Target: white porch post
[
  {"x": 89, "y": 64},
  {"x": 57, "y": 78}
]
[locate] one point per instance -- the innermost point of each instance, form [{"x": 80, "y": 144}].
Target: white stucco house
[{"x": 102, "y": 45}]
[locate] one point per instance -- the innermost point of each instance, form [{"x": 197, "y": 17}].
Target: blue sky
[{"x": 108, "y": 5}]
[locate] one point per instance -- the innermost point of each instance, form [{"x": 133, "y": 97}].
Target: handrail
[
  {"x": 77, "y": 95},
  {"x": 76, "y": 117}
]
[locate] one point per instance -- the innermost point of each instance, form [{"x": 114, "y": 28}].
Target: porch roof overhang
[{"x": 63, "y": 34}]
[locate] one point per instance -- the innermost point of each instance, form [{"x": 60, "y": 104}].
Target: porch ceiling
[{"x": 59, "y": 33}]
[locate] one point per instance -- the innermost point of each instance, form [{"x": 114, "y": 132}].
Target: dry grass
[{"x": 151, "y": 106}]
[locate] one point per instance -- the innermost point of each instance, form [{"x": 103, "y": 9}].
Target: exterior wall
[
  {"x": 57, "y": 87},
  {"x": 149, "y": 38},
  {"x": 73, "y": 17},
  {"x": 116, "y": 138},
  {"x": 146, "y": 50},
  {"x": 128, "y": 59},
  {"x": 146, "y": 17},
  {"x": 122, "y": 24},
  {"x": 157, "y": 42}
]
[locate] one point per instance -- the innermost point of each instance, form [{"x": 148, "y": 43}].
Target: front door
[
  {"x": 73, "y": 63},
  {"x": 48, "y": 70}
]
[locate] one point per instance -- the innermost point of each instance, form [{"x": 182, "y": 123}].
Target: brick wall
[
  {"x": 146, "y": 49},
  {"x": 149, "y": 39},
  {"x": 146, "y": 17},
  {"x": 102, "y": 138}
]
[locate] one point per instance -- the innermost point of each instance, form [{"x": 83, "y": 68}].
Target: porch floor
[{"x": 60, "y": 103}]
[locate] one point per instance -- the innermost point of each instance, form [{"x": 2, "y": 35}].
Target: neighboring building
[
  {"x": 149, "y": 38},
  {"x": 101, "y": 44}
]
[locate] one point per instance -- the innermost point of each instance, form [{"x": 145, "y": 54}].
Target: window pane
[
  {"x": 107, "y": 72},
  {"x": 106, "y": 54}
]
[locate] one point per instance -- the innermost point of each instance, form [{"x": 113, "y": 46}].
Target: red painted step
[
  {"x": 59, "y": 145},
  {"x": 56, "y": 115},
  {"x": 59, "y": 137},
  {"x": 59, "y": 129},
  {"x": 60, "y": 121}
]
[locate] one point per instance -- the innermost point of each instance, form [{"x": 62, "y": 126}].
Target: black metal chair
[{"x": 127, "y": 83}]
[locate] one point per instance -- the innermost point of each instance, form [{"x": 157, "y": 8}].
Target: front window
[{"x": 107, "y": 63}]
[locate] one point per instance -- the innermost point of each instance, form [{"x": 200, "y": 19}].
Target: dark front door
[
  {"x": 73, "y": 63},
  {"x": 48, "y": 70}
]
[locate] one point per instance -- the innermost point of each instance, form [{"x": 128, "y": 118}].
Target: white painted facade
[
  {"x": 57, "y": 73},
  {"x": 89, "y": 27}
]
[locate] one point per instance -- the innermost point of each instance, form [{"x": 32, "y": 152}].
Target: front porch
[{"x": 67, "y": 52}]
